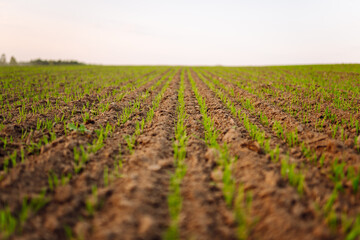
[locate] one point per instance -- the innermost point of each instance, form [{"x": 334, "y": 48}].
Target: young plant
[
  {"x": 334, "y": 130},
  {"x": 92, "y": 203},
  {"x": 295, "y": 178},
  {"x": 80, "y": 158},
  {"x": 338, "y": 173},
  {"x": 292, "y": 138},
  {"x": 274, "y": 154},
  {"x": 130, "y": 140},
  {"x": 263, "y": 119},
  {"x": 77, "y": 128},
  {"x": 8, "y": 223},
  {"x": 5, "y": 141},
  {"x": 85, "y": 117},
  {"x": 278, "y": 129},
  {"x": 242, "y": 207}
]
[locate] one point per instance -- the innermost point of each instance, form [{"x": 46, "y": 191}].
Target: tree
[
  {"x": 13, "y": 61},
  {"x": 3, "y": 59}
]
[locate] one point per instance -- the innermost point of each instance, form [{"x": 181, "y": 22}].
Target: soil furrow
[
  {"x": 68, "y": 203},
  {"x": 282, "y": 213},
  {"x": 32, "y": 176},
  {"x": 204, "y": 214},
  {"x": 137, "y": 206},
  {"x": 273, "y": 107},
  {"x": 16, "y": 130},
  {"x": 322, "y": 143},
  {"x": 319, "y": 181}
]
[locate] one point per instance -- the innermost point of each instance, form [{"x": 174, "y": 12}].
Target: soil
[{"x": 132, "y": 202}]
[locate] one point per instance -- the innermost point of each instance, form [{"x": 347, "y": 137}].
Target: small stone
[
  {"x": 82, "y": 229},
  {"x": 165, "y": 163},
  {"x": 146, "y": 223},
  {"x": 254, "y": 146},
  {"x": 298, "y": 210},
  {"x": 131, "y": 186},
  {"x": 62, "y": 193},
  {"x": 293, "y": 150},
  {"x": 217, "y": 175},
  {"x": 212, "y": 155},
  {"x": 349, "y": 142},
  {"x": 300, "y": 129},
  {"x": 231, "y": 135},
  {"x": 271, "y": 179},
  {"x": 266, "y": 192},
  {"x": 51, "y": 223},
  {"x": 154, "y": 167},
  {"x": 332, "y": 146}
]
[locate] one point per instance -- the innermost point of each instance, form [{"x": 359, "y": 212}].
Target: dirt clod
[{"x": 63, "y": 193}]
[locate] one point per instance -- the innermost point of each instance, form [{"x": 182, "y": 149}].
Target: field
[{"x": 107, "y": 152}]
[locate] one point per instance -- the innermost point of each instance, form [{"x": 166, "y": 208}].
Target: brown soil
[
  {"x": 282, "y": 213},
  {"x": 133, "y": 204},
  {"x": 212, "y": 219},
  {"x": 67, "y": 204}
]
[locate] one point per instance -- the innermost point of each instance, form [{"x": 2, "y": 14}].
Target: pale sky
[{"x": 253, "y": 32}]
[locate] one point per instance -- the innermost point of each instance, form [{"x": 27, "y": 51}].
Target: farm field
[{"x": 160, "y": 152}]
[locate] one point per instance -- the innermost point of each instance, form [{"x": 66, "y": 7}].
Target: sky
[{"x": 229, "y": 33}]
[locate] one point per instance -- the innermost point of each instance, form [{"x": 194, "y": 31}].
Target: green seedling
[
  {"x": 22, "y": 155},
  {"x": 54, "y": 181},
  {"x": 77, "y": 128},
  {"x": 38, "y": 124},
  {"x": 330, "y": 202},
  {"x": 13, "y": 158},
  {"x": 5, "y": 141},
  {"x": 295, "y": 178},
  {"x": 354, "y": 232},
  {"x": 278, "y": 129},
  {"x": 342, "y": 134},
  {"x": 338, "y": 171},
  {"x": 130, "y": 140},
  {"x": 68, "y": 232},
  {"x": 119, "y": 158},
  {"x": 85, "y": 117},
  {"x": 24, "y": 134},
  {"x": 334, "y": 130},
  {"x": 292, "y": 138},
  {"x": 98, "y": 143},
  {"x": 354, "y": 178},
  {"x": 321, "y": 160},
  {"x": 92, "y": 202},
  {"x": 242, "y": 207},
  {"x": 65, "y": 129},
  {"x": 8, "y": 222},
  {"x": 274, "y": 154},
  {"x": 80, "y": 158},
  {"x": 263, "y": 119}
]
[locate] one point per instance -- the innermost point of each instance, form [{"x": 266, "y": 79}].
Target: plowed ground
[{"x": 131, "y": 200}]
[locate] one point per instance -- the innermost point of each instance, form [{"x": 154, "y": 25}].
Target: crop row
[
  {"x": 304, "y": 108},
  {"x": 225, "y": 162},
  {"x": 337, "y": 172},
  {"x": 81, "y": 156}
]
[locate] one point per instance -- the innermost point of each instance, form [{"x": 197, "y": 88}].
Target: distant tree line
[
  {"x": 3, "y": 60},
  {"x": 39, "y": 61},
  {"x": 54, "y": 62}
]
